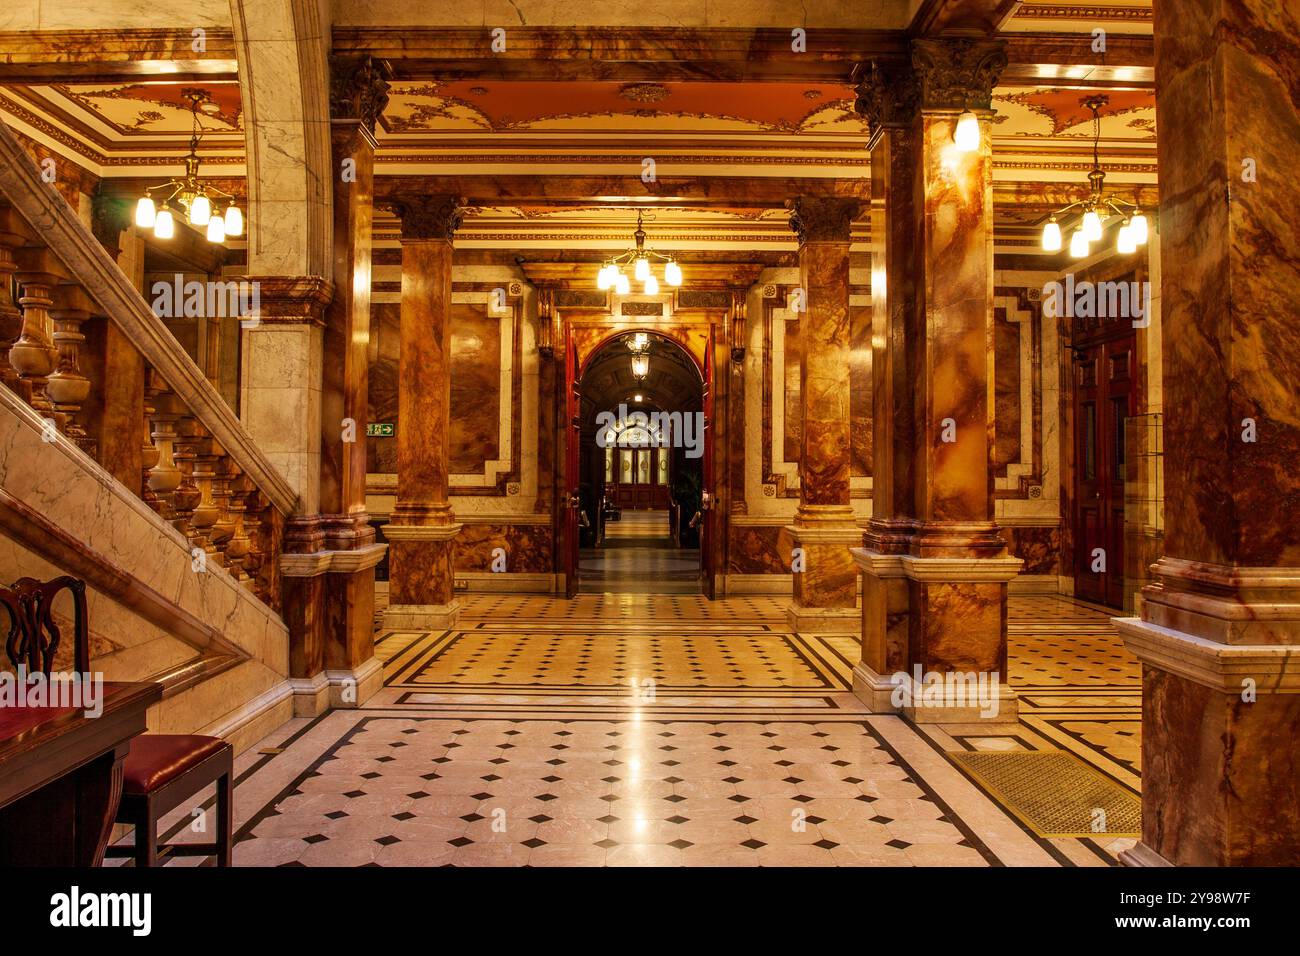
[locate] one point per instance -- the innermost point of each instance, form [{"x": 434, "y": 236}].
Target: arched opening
[{"x": 641, "y": 467}]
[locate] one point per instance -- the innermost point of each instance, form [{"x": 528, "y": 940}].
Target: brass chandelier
[
  {"x": 1133, "y": 230},
  {"x": 193, "y": 197},
  {"x": 612, "y": 276}
]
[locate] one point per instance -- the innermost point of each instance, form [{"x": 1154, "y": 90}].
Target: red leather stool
[{"x": 161, "y": 772}]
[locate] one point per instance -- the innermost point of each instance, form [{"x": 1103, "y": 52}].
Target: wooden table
[{"x": 61, "y": 776}]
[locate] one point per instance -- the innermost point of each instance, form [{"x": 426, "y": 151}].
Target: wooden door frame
[{"x": 574, "y": 371}]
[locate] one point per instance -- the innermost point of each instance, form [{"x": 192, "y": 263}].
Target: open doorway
[{"x": 641, "y": 467}]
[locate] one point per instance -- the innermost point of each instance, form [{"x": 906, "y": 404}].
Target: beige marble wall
[
  {"x": 282, "y": 49},
  {"x": 280, "y": 397}
]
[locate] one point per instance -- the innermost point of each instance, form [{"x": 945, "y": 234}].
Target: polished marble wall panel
[
  {"x": 792, "y": 395},
  {"x": 527, "y": 547},
  {"x": 385, "y": 350},
  {"x": 475, "y": 386},
  {"x": 756, "y": 549},
  {"x": 1039, "y": 548},
  {"x": 860, "y": 432},
  {"x": 1006, "y": 392}
]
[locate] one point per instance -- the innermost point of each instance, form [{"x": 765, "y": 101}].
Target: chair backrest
[{"x": 33, "y": 636}]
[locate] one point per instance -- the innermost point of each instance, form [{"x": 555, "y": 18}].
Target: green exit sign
[{"x": 381, "y": 429}]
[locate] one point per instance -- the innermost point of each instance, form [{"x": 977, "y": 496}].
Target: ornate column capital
[
  {"x": 358, "y": 90},
  {"x": 430, "y": 217},
  {"x": 823, "y": 218},
  {"x": 888, "y": 95},
  {"x": 957, "y": 73}
]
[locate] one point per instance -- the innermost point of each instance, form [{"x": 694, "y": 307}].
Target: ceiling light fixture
[
  {"x": 638, "y": 343},
  {"x": 192, "y": 196},
  {"x": 640, "y": 259},
  {"x": 1133, "y": 230}
]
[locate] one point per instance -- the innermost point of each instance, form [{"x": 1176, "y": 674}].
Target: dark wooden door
[
  {"x": 1104, "y": 397},
  {"x": 709, "y": 531},
  {"x": 572, "y": 458}
]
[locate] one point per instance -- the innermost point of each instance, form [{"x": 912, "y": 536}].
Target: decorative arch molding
[{"x": 283, "y": 51}]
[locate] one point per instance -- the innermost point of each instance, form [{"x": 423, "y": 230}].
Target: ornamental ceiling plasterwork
[
  {"x": 128, "y": 124},
  {"x": 603, "y": 108}
]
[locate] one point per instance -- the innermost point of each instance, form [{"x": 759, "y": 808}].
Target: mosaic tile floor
[{"x": 627, "y": 730}]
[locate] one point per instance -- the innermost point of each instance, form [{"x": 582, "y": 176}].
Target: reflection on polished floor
[
  {"x": 639, "y": 556},
  {"x": 665, "y": 730}
]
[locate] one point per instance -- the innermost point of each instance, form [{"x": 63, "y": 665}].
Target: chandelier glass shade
[
  {"x": 196, "y": 199},
  {"x": 640, "y": 261},
  {"x": 638, "y": 343},
  {"x": 1098, "y": 208}
]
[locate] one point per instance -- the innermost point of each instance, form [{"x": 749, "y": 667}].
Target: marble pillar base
[
  {"x": 421, "y": 574},
  {"x": 941, "y": 623},
  {"x": 1220, "y": 756},
  {"x": 826, "y": 590},
  {"x": 421, "y": 617},
  {"x": 823, "y": 620},
  {"x": 994, "y": 704},
  {"x": 885, "y": 604},
  {"x": 1142, "y": 855},
  {"x": 329, "y": 602},
  {"x": 311, "y": 695},
  {"x": 352, "y": 687},
  {"x": 874, "y": 690}
]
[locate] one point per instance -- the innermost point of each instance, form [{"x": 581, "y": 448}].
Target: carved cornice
[
  {"x": 358, "y": 90},
  {"x": 429, "y": 217},
  {"x": 293, "y": 300},
  {"x": 822, "y": 218},
  {"x": 888, "y": 95},
  {"x": 958, "y": 73}
]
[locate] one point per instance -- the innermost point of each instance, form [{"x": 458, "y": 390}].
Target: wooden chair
[{"x": 162, "y": 770}]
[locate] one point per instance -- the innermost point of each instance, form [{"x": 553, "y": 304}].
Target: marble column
[
  {"x": 1219, "y": 632},
  {"x": 825, "y": 590},
  {"x": 934, "y": 532},
  {"x": 422, "y": 528},
  {"x": 887, "y": 98},
  {"x": 330, "y": 576}
]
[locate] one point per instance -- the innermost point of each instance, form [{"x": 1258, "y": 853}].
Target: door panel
[
  {"x": 572, "y": 452},
  {"x": 708, "y": 533},
  {"x": 1104, "y": 397}
]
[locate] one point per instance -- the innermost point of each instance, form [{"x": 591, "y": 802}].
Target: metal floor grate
[{"x": 1055, "y": 793}]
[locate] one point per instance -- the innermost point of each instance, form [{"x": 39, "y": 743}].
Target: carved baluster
[
  {"x": 223, "y": 529},
  {"x": 255, "y": 527},
  {"x": 67, "y": 387},
  {"x": 11, "y": 317},
  {"x": 206, "y": 512},
  {"x": 186, "y": 497},
  {"x": 33, "y": 355},
  {"x": 165, "y": 477},
  {"x": 238, "y": 547},
  {"x": 149, "y": 451}
]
